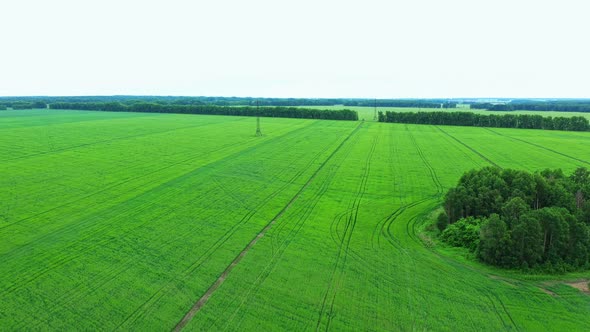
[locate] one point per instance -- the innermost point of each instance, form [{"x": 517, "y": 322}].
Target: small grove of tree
[
  {"x": 279, "y": 112},
  {"x": 525, "y": 121},
  {"x": 516, "y": 219}
]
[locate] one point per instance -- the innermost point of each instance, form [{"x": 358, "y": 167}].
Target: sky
[{"x": 303, "y": 48}]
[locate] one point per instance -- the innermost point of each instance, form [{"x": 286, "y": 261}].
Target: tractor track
[
  {"x": 64, "y": 258},
  {"x": 111, "y": 140},
  {"x": 140, "y": 311},
  {"x": 338, "y": 269},
  {"x": 303, "y": 215},
  {"x": 470, "y": 148},
  {"x": 203, "y": 300},
  {"x": 539, "y": 146}
]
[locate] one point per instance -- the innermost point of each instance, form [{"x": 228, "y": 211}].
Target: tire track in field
[
  {"x": 278, "y": 254},
  {"x": 65, "y": 259},
  {"x": 283, "y": 245},
  {"x": 80, "y": 120},
  {"x": 142, "y": 310},
  {"x": 345, "y": 152},
  {"x": 469, "y": 147},
  {"x": 411, "y": 265},
  {"x": 539, "y": 146},
  {"x": 75, "y": 293},
  {"x": 303, "y": 214},
  {"x": 378, "y": 230},
  {"x": 193, "y": 157},
  {"x": 385, "y": 226},
  {"x": 203, "y": 300},
  {"x": 66, "y": 255},
  {"x": 506, "y": 311},
  {"x": 209, "y": 251},
  {"x": 338, "y": 271},
  {"x": 498, "y": 311},
  {"x": 383, "y": 229},
  {"x": 484, "y": 291},
  {"x": 434, "y": 177},
  {"x": 412, "y": 269},
  {"x": 105, "y": 190},
  {"x": 112, "y": 140}
]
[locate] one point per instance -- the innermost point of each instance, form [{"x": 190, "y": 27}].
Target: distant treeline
[
  {"x": 278, "y": 112},
  {"x": 532, "y": 105},
  {"x": 525, "y": 121},
  {"x": 416, "y": 103},
  {"x": 517, "y": 219},
  {"x": 560, "y": 105},
  {"x": 22, "y": 105},
  {"x": 174, "y": 100},
  {"x": 236, "y": 101}
]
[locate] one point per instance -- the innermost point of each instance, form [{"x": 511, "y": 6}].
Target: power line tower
[
  {"x": 375, "y": 115},
  {"x": 258, "y": 131}
]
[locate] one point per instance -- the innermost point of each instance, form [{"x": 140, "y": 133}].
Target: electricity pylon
[{"x": 258, "y": 131}]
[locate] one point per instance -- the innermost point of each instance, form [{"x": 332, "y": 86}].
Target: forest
[
  {"x": 559, "y": 105},
  {"x": 276, "y": 111},
  {"x": 524, "y": 121},
  {"x": 516, "y": 219},
  {"x": 179, "y": 100},
  {"x": 235, "y": 101},
  {"x": 416, "y": 103}
]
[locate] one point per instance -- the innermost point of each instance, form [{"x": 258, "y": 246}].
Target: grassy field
[{"x": 122, "y": 221}]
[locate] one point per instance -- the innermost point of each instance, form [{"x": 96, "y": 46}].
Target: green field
[{"x": 123, "y": 221}]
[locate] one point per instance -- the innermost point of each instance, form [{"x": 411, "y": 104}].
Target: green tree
[
  {"x": 527, "y": 241},
  {"x": 494, "y": 241}
]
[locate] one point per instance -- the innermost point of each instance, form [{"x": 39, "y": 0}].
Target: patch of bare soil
[{"x": 582, "y": 285}]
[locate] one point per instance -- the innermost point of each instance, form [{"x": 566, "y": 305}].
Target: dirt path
[
  {"x": 203, "y": 300},
  {"x": 581, "y": 285}
]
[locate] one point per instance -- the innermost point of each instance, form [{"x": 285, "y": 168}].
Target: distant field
[
  {"x": 122, "y": 221},
  {"x": 367, "y": 113}
]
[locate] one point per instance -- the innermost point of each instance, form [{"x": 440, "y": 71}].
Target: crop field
[{"x": 138, "y": 221}]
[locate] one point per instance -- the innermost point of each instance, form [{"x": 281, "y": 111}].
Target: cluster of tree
[
  {"x": 517, "y": 219},
  {"x": 560, "y": 105},
  {"x": 574, "y": 123},
  {"x": 414, "y": 103},
  {"x": 22, "y": 105},
  {"x": 279, "y": 112}
]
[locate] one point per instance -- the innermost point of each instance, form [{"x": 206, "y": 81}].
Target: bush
[{"x": 463, "y": 233}]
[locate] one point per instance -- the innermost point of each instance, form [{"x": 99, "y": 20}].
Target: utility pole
[{"x": 258, "y": 131}]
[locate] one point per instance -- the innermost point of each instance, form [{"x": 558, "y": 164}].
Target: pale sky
[{"x": 304, "y": 48}]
